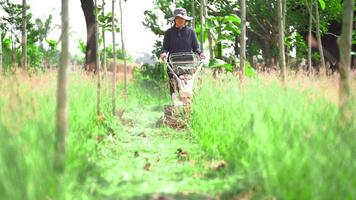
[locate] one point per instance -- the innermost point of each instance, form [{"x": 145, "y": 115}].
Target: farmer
[{"x": 180, "y": 38}]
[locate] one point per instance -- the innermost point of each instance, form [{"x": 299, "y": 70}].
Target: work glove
[
  {"x": 164, "y": 56},
  {"x": 202, "y": 56}
]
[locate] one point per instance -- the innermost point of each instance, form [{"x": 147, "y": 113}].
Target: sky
[{"x": 139, "y": 41}]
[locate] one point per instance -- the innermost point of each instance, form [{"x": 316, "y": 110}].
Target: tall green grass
[
  {"x": 280, "y": 142},
  {"x": 27, "y": 132},
  {"x": 283, "y": 143}
]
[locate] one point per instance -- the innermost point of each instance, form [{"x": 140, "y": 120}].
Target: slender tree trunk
[
  {"x": 282, "y": 60},
  {"x": 320, "y": 45},
  {"x": 114, "y": 64},
  {"x": 12, "y": 54},
  {"x": 104, "y": 42},
  {"x": 62, "y": 121},
  {"x": 310, "y": 36},
  {"x": 193, "y": 14},
  {"x": 284, "y": 11},
  {"x": 237, "y": 47},
  {"x": 219, "y": 47},
  {"x": 285, "y": 28},
  {"x": 202, "y": 23},
  {"x": 210, "y": 38},
  {"x": 345, "y": 63},
  {"x": 267, "y": 53},
  {"x": 123, "y": 47},
  {"x": 90, "y": 54},
  {"x": 1, "y": 67},
  {"x": 243, "y": 39},
  {"x": 24, "y": 36},
  {"x": 97, "y": 63}
]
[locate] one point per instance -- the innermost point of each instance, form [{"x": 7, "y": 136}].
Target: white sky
[{"x": 138, "y": 39}]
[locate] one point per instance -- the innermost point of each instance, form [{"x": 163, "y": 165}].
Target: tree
[
  {"x": 62, "y": 121},
  {"x": 91, "y": 45},
  {"x": 262, "y": 31},
  {"x": 202, "y": 22},
  {"x": 210, "y": 39},
  {"x": 36, "y": 32},
  {"x": 281, "y": 29},
  {"x": 193, "y": 14},
  {"x": 123, "y": 47},
  {"x": 345, "y": 62},
  {"x": 243, "y": 38},
  {"x": 263, "y": 28},
  {"x": 104, "y": 42},
  {"x": 114, "y": 64},
  {"x": 318, "y": 35},
  {"x": 310, "y": 27},
  {"x": 24, "y": 35},
  {"x": 1, "y": 67},
  {"x": 97, "y": 63}
]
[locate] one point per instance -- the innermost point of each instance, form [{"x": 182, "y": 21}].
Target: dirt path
[{"x": 159, "y": 163}]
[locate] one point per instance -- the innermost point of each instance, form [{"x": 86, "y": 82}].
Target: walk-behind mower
[{"x": 185, "y": 68}]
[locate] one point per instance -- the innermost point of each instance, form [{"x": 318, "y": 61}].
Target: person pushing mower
[
  {"x": 179, "y": 39},
  {"x": 183, "y": 57}
]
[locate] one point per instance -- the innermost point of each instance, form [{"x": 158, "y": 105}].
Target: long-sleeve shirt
[{"x": 180, "y": 40}]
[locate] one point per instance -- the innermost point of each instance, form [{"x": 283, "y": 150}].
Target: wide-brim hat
[{"x": 180, "y": 12}]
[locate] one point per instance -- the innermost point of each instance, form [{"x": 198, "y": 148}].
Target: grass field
[{"x": 277, "y": 142}]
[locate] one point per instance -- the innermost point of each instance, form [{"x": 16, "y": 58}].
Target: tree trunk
[
  {"x": 345, "y": 63},
  {"x": 219, "y": 50},
  {"x": 310, "y": 36},
  {"x": 267, "y": 53},
  {"x": 97, "y": 63},
  {"x": 193, "y": 14},
  {"x": 236, "y": 47},
  {"x": 210, "y": 38},
  {"x": 24, "y": 36},
  {"x": 284, "y": 11},
  {"x": 1, "y": 67},
  {"x": 12, "y": 54},
  {"x": 243, "y": 39},
  {"x": 114, "y": 64},
  {"x": 282, "y": 61},
  {"x": 322, "y": 60},
  {"x": 62, "y": 121},
  {"x": 123, "y": 47},
  {"x": 104, "y": 42},
  {"x": 90, "y": 54},
  {"x": 202, "y": 23}
]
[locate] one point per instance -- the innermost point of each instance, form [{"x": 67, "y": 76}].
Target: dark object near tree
[{"x": 331, "y": 48}]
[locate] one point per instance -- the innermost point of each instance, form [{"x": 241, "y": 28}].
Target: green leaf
[
  {"x": 217, "y": 63},
  {"x": 228, "y": 67},
  {"x": 233, "y": 28},
  {"x": 232, "y": 18},
  {"x": 52, "y": 43},
  {"x": 249, "y": 71},
  {"x": 322, "y": 4}
]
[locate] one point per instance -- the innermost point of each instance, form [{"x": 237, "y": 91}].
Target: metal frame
[{"x": 180, "y": 81}]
